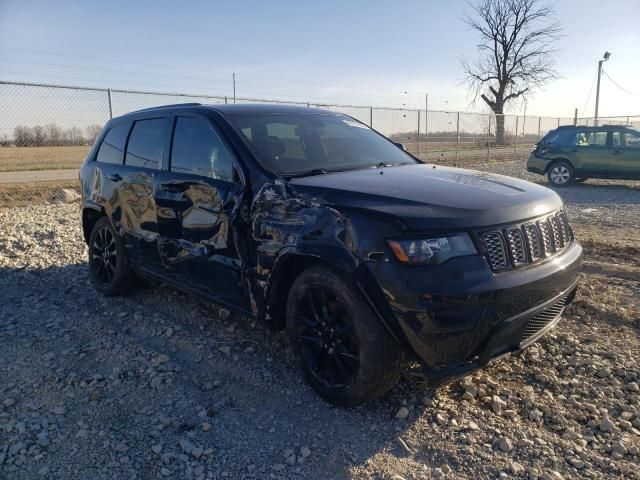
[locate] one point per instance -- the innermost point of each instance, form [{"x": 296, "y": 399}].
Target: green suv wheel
[{"x": 560, "y": 174}]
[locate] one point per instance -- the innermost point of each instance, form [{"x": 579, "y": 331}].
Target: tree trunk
[{"x": 500, "y": 140}]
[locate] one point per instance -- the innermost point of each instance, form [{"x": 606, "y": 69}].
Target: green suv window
[{"x": 590, "y": 139}]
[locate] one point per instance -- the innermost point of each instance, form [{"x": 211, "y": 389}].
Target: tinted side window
[
  {"x": 112, "y": 147},
  {"x": 198, "y": 150},
  {"x": 146, "y": 144},
  {"x": 560, "y": 138},
  {"x": 590, "y": 139},
  {"x": 632, "y": 140}
]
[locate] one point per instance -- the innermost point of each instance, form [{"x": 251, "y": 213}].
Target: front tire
[
  {"x": 108, "y": 264},
  {"x": 560, "y": 174},
  {"x": 345, "y": 352}
]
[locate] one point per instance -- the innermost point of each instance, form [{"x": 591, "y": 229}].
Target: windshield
[{"x": 311, "y": 143}]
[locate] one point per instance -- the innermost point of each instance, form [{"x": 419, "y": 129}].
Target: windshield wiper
[
  {"x": 309, "y": 173},
  {"x": 384, "y": 164}
]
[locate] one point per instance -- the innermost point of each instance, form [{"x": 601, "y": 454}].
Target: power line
[
  {"x": 208, "y": 71},
  {"x": 616, "y": 84},
  {"x": 584, "y": 109}
]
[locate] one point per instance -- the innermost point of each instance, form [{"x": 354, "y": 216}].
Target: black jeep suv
[{"x": 314, "y": 222}]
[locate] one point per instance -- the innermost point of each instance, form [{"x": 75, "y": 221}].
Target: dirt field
[
  {"x": 19, "y": 159},
  {"x": 160, "y": 384}
]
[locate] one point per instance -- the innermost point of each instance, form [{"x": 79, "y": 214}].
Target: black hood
[{"x": 424, "y": 197}]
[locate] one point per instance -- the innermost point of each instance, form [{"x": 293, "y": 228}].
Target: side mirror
[{"x": 400, "y": 145}]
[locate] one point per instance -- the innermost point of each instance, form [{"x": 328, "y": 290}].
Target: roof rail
[{"x": 193, "y": 104}]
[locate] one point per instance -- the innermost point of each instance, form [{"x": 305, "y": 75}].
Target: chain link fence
[{"x": 52, "y": 127}]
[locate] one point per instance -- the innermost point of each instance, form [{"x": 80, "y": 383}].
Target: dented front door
[
  {"x": 199, "y": 244},
  {"x": 198, "y": 198}
]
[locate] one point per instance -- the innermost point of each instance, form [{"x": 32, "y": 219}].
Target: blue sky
[{"x": 361, "y": 52}]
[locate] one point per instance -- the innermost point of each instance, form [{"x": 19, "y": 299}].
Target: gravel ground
[{"x": 163, "y": 385}]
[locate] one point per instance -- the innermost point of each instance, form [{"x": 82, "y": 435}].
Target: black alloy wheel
[
  {"x": 104, "y": 256},
  {"x": 108, "y": 263},
  {"x": 327, "y": 339},
  {"x": 345, "y": 351}
]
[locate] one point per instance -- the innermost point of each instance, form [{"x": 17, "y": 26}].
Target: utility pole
[
  {"x": 604, "y": 59},
  {"x": 234, "y": 88}
]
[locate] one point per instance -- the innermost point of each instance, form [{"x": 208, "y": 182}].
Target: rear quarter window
[
  {"x": 111, "y": 149},
  {"x": 146, "y": 144},
  {"x": 561, "y": 138}
]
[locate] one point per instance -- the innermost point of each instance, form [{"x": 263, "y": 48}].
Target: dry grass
[
  {"x": 20, "y": 159},
  {"x": 23, "y": 194}
]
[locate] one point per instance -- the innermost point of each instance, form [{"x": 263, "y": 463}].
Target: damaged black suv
[{"x": 313, "y": 222}]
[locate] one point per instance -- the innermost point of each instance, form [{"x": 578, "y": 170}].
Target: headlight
[{"x": 432, "y": 251}]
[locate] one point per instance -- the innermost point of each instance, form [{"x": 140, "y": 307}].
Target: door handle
[
  {"x": 174, "y": 187},
  {"x": 114, "y": 177},
  {"x": 616, "y": 152}
]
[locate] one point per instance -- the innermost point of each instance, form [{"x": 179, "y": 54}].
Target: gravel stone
[{"x": 76, "y": 370}]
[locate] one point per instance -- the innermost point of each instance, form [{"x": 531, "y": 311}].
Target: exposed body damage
[
  {"x": 290, "y": 227},
  {"x": 317, "y": 223}
]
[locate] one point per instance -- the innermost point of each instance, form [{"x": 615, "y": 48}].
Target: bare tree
[
  {"x": 40, "y": 136},
  {"x": 515, "y": 52},
  {"x": 23, "y": 136},
  {"x": 93, "y": 131}
]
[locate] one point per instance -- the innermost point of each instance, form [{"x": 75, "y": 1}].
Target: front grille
[
  {"x": 519, "y": 245},
  {"x": 542, "y": 319}
]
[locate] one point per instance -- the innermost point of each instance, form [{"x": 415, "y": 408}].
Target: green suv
[{"x": 575, "y": 153}]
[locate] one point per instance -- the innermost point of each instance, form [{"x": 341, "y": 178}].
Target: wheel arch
[
  {"x": 90, "y": 215},
  {"x": 291, "y": 264},
  {"x": 287, "y": 268},
  {"x": 556, "y": 161}
]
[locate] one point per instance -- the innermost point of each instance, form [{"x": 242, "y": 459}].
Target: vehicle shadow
[{"x": 51, "y": 320}]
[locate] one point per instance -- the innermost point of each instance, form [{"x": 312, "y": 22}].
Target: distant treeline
[
  {"x": 51, "y": 135},
  {"x": 465, "y": 137}
]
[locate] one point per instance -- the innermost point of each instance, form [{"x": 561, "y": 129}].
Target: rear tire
[
  {"x": 345, "y": 352},
  {"x": 560, "y": 174},
  {"x": 108, "y": 263}
]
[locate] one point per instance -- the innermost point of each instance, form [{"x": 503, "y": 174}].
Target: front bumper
[{"x": 460, "y": 315}]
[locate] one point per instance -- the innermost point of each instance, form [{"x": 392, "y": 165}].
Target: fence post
[
  {"x": 110, "y": 107},
  {"x": 418, "y": 133},
  {"x": 225, "y": 99},
  {"x": 457, "y": 134},
  {"x": 558, "y": 121},
  {"x": 539, "y": 122},
  {"x": 426, "y": 126},
  {"x": 489, "y": 138},
  {"x": 371, "y": 117},
  {"x": 627, "y": 120},
  {"x": 515, "y": 141}
]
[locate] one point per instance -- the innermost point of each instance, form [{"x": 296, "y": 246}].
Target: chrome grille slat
[
  {"x": 516, "y": 246},
  {"x": 534, "y": 247},
  {"x": 566, "y": 229},
  {"x": 519, "y": 245},
  {"x": 558, "y": 239},
  {"x": 547, "y": 239},
  {"x": 495, "y": 249}
]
